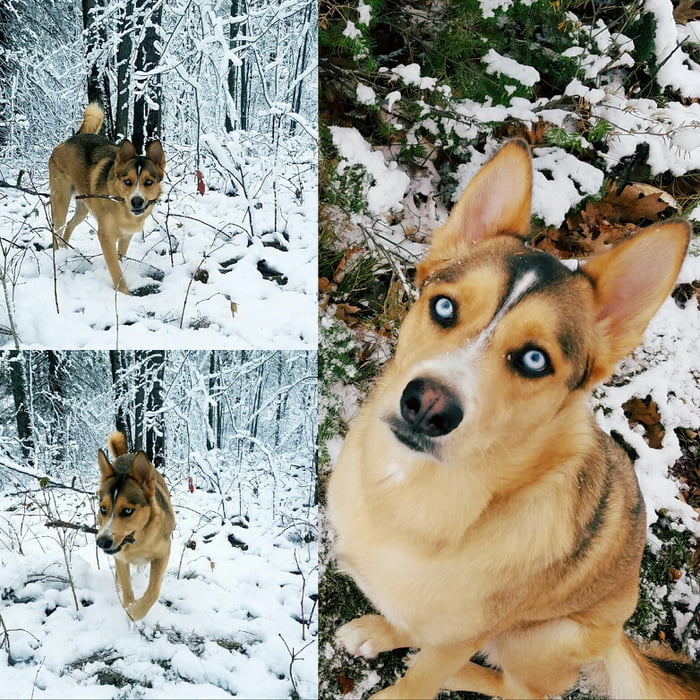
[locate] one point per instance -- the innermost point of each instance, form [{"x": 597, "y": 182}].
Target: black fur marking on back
[{"x": 162, "y": 500}]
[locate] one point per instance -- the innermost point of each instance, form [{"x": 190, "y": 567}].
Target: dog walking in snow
[
  {"x": 112, "y": 182},
  {"x": 475, "y": 501},
  {"x": 135, "y": 521}
]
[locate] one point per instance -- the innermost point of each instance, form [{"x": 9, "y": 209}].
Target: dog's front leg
[
  {"x": 431, "y": 667},
  {"x": 123, "y": 572},
  {"x": 138, "y": 609},
  {"x": 370, "y": 635},
  {"x": 109, "y": 251}
]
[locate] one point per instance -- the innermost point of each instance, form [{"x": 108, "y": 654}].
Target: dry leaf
[
  {"x": 685, "y": 12},
  {"x": 345, "y": 683}
]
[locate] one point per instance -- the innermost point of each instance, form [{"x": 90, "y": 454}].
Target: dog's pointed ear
[
  {"x": 154, "y": 153},
  {"x": 125, "y": 154},
  {"x": 496, "y": 200},
  {"x": 105, "y": 466},
  {"x": 142, "y": 471},
  {"x": 631, "y": 282}
]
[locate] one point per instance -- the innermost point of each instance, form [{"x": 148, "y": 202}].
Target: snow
[
  {"x": 495, "y": 63},
  {"x": 388, "y": 183},
  {"x": 225, "y": 270},
  {"x": 227, "y": 622}
]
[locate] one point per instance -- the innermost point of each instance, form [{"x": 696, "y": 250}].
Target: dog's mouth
[
  {"x": 138, "y": 211},
  {"x": 129, "y": 539},
  {"x": 417, "y": 442}
]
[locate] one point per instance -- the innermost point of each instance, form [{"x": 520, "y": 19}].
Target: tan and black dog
[
  {"x": 475, "y": 501},
  {"x": 115, "y": 184},
  {"x": 135, "y": 520}
]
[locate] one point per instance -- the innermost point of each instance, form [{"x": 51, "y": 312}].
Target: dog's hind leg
[
  {"x": 139, "y": 608},
  {"x": 60, "y": 201},
  {"x": 81, "y": 211},
  {"x": 123, "y": 572}
]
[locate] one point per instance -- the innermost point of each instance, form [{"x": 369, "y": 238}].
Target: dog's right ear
[
  {"x": 125, "y": 154},
  {"x": 105, "y": 467},
  {"x": 154, "y": 153},
  {"x": 496, "y": 200},
  {"x": 142, "y": 471}
]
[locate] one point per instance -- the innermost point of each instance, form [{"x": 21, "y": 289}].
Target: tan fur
[
  {"x": 138, "y": 524},
  {"x": 520, "y": 531},
  {"x": 91, "y": 165}
]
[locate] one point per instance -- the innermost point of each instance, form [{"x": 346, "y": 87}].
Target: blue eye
[
  {"x": 531, "y": 362},
  {"x": 443, "y": 311}
]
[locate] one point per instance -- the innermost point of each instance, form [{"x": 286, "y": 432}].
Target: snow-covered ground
[
  {"x": 237, "y": 613},
  {"x": 208, "y": 277}
]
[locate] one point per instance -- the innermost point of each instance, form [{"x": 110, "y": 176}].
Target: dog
[
  {"x": 475, "y": 501},
  {"x": 135, "y": 521},
  {"x": 115, "y": 184}
]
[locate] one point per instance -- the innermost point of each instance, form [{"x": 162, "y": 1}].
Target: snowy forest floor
[
  {"x": 237, "y": 614},
  {"x": 218, "y": 270}
]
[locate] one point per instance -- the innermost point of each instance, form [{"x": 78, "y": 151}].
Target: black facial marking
[{"x": 546, "y": 268}]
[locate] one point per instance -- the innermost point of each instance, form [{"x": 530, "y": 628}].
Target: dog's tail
[
  {"x": 117, "y": 444},
  {"x": 92, "y": 119},
  {"x": 654, "y": 674}
]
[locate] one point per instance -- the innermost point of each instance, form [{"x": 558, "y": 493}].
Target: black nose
[
  {"x": 137, "y": 202},
  {"x": 430, "y": 408},
  {"x": 104, "y": 542}
]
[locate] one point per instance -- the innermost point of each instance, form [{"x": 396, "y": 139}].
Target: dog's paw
[
  {"x": 138, "y": 609},
  {"x": 367, "y": 636}
]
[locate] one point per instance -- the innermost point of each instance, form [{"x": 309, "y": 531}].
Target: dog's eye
[
  {"x": 128, "y": 182},
  {"x": 127, "y": 512},
  {"x": 443, "y": 311},
  {"x": 103, "y": 510},
  {"x": 531, "y": 362},
  {"x": 148, "y": 183}
]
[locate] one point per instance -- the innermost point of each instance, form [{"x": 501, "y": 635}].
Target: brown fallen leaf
[{"x": 685, "y": 12}]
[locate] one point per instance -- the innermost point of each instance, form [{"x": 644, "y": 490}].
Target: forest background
[
  {"x": 234, "y": 435},
  {"x": 229, "y": 255}
]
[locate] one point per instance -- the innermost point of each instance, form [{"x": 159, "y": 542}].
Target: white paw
[{"x": 355, "y": 638}]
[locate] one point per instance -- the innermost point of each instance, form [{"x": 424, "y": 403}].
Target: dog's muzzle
[
  {"x": 106, "y": 543},
  {"x": 428, "y": 410}
]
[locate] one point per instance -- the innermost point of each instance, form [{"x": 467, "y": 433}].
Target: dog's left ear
[
  {"x": 154, "y": 153},
  {"x": 496, "y": 200},
  {"x": 631, "y": 282},
  {"x": 142, "y": 471}
]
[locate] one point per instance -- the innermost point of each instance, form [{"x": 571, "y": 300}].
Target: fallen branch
[
  {"x": 23, "y": 189},
  {"x": 71, "y": 526}
]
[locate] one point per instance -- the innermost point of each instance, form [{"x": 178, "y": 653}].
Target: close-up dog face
[
  {"x": 124, "y": 506},
  {"x": 493, "y": 346},
  {"x": 138, "y": 178}
]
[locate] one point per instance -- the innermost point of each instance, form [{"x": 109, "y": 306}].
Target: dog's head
[
  {"x": 504, "y": 338},
  {"x": 126, "y": 494},
  {"x": 138, "y": 178}
]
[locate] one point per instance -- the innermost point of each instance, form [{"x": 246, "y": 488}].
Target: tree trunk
[
  {"x": 150, "y": 421},
  {"x": 57, "y": 382},
  {"x": 147, "y": 99},
  {"x": 23, "y": 418},
  {"x": 126, "y": 28},
  {"x": 118, "y": 361}
]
